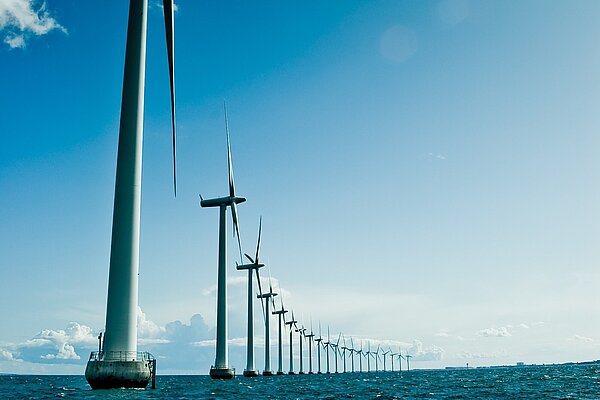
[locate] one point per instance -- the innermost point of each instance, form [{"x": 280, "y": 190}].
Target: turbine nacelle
[
  {"x": 221, "y": 201},
  {"x": 241, "y": 267}
]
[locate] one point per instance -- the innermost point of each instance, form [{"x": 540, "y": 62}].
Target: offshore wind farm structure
[{"x": 118, "y": 363}]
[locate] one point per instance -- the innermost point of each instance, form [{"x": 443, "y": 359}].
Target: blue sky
[{"x": 426, "y": 171}]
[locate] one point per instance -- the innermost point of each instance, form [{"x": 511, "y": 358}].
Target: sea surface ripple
[{"x": 529, "y": 382}]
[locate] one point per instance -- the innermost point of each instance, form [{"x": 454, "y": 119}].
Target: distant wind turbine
[
  {"x": 344, "y": 348},
  {"x": 327, "y": 345},
  {"x": 369, "y": 354},
  {"x": 281, "y": 315},
  {"x": 360, "y": 356},
  {"x": 268, "y": 300},
  {"x": 221, "y": 369},
  {"x": 300, "y": 340},
  {"x": 384, "y": 354},
  {"x": 292, "y": 323},
  {"x": 352, "y": 353},
  {"x": 337, "y": 352},
  {"x": 310, "y": 337},
  {"x": 254, "y": 265},
  {"x": 318, "y": 341}
]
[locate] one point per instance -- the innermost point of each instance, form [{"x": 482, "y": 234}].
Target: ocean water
[{"x": 529, "y": 382}]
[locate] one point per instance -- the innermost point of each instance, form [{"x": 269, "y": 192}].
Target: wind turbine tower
[
  {"x": 344, "y": 348},
  {"x": 254, "y": 265},
  {"x": 310, "y": 336},
  {"x": 268, "y": 299},
  {"x": 384, "y": 354},
  {"x": 327, "y": 345},
  {"x": 118, "y": 363},
  {"x": 319, "y": 340},
  {"x": 300, "y": 334},
  {"x": 360, "y": 357},
  {"x": 352, "y": 353},
  {"x": 291, "y": 323},
  {"x": 281, "y": 314},
  {"x": 221, "y": 369}
]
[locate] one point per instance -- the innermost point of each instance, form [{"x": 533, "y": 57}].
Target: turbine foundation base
[
  {"x": 118, "y": 374},
  {"x": 280, "y": 373},
  {"x": 250, "y": 373},
  {"x": 222, "y": 373},
  {"x": 267, "y": 373}
]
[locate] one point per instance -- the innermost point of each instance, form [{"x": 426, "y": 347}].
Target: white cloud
[
  {"x": 437, "y": 156},
  {"x": 148, "y": 330},
  {"x": 579, "y": 338},
  {"x": 15, "y": 41},
  {"x": 65, "y": 352},
  {"x": 430, "y": 353},
  {"x": 6, "y": 355},
  {"x": 468, "y": 355},
  {"x": 22, "y": 18},
  {"x": 238, "y": 342},
  {"x": 494, "y": 332}
]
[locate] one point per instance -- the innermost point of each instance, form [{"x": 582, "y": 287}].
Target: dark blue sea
[{"x": 529, "y": 382}]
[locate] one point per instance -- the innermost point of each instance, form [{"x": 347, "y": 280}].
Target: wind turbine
[
  {"x": 310, "y": 336},
  {"x": 327, "y": 345},
  {"x": 344, "y": 348},
  {"x": 377, "y": 358},
  {"x": 268, "y": 298},
  {"x": 300, "y": 334},
  {"x": 120, "y": 364},
  {"x": 254, "y": 265},
  {"x": 369, "y": 358},
  {"x": 352, "y": 353},
  {"x": 319, "y": 340},
  {"x": 384, "y": 354},
  {"x": 291, "y": 323},
  {"x": 408, "y": 357},
  {"x": 336, "y": 352},
  {"x": 281, "y": 314},
  {"x": 221, "y": 370},
  {"x": 400, "y": 357},
  {"x": 392, "y": 355},
  {"x": 360, "y": 356}
]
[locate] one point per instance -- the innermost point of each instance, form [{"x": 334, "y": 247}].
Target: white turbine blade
[
  {"x": 170, "y": 34},
  {"x": 229, "y": 162},
  {"x": 258, "y": 241},
  {"x": 236, "y": 225}
]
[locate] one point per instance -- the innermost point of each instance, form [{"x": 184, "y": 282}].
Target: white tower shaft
[
  {"x": 250, "y": 340},
  {"x": 280, "y": 366},
  {"x": 267, "y": 338},
  {"x": 121, "y": 309},
  {"x": 221, "y": 353}
]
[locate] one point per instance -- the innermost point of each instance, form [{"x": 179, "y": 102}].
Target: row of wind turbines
[
  {"x": 341, "y": 351},
  {"x": 118, "y": 363}
]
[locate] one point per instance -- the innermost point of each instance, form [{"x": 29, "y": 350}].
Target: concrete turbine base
[
  {"x": 279, "y": 372},
  {"x": 118, "y": 374},
  {"x": 267, "y": 373},
  {"x": 222, "y": 373},
  {"x": 250, "y": 373},
  {"x": 291, "y": 373}
]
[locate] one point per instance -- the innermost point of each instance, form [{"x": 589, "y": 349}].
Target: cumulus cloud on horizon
[
  {"x": 494, "y": 332},
  {"x": 20, "y": 19}
]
